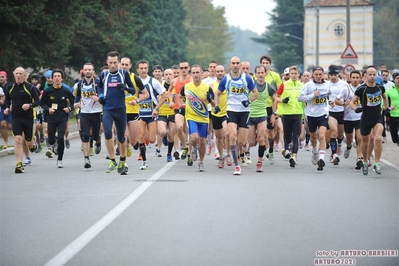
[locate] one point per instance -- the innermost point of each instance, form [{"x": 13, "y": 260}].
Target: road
[{"x": 171, "y": 214}]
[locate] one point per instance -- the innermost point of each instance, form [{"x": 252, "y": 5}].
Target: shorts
[
  {"x": 317, "y": 122},
  {"x": 147, "y": 120},
  {"x": 241, "y": 119},
  {"x": 7, "y": 118},
  {"x": 167, "y": 118},
  {"x": 132, "y": 117},
  {"x": 366, "y": 125},
  {"x": 183, "y": 113},
  {"x": 23, "y": 125},
  {"x": 339, "y": 116},
  {"x": 349, "y": 126},
  {"x": 197, "y": 127},
  {"x": 217, "y": 122},
  {"x": 254, "y": 121},
  {"x": 39, "y": 118}
]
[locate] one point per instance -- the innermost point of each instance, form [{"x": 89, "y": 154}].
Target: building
[{"x": 332, "y": 32}]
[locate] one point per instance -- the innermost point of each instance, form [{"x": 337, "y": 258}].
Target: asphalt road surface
[{"x": 171, "y": 214}]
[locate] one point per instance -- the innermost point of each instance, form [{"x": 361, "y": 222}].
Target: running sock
[
  {"x": 261, "y": 151},
  {"x": 170, "y": 147},
  {"x": 307, "y": 138},
  {"x": 123, "y": 159},
  {"x": 233, "y": 149},
  {"x": 271, "y": 145},
  {"x": 340, "y": 141},
  {"x": 333, "y": 145},
  {"x": 142, "y": 151},
  {"x": 321, "y": 154},
  {"x": 86, "y": 157},
  {"x": 91, "y": 142}
]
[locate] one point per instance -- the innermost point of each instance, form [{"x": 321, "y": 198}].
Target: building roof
[{"x": 330, "y": 3}]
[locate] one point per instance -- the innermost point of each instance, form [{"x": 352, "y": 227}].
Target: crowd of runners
[{"x": 195, "y": 111}]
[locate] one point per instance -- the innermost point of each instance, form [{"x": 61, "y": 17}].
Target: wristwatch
[{"x": 137, "y": 100}]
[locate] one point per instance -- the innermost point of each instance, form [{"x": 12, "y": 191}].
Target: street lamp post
[{"x": 303, "y": 45}]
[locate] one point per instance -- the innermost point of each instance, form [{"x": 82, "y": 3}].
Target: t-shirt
[
  {"x": 371, "y": 98},
  {"x": 237, "y": 91}
]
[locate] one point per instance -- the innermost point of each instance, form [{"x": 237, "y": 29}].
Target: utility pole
[
  {"x": 348, "y": 21},
  {"x": 317, "y": 31}
]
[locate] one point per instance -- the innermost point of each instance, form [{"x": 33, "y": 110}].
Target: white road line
[
  {"x": 79, "y": 243},
  {"x": 390, "y": 164}
]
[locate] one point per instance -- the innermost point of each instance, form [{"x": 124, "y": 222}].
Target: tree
[
  {"x": 209, "y": 37},
  {"x": 165, "y": 43},
  {"x": 386, "y": 35},
  {"x": 286, "y": 17}
]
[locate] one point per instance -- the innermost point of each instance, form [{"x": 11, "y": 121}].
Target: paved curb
[{"x": 10, "y": 150}]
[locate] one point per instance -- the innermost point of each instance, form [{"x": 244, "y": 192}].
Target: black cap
[
  {"x": 157, "y": 67},
  {"x": 333, "y": 69},
  {"x": 318, "y": 68}
]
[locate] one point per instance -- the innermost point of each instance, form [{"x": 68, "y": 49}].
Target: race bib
[{"x": 374, "y": 99}]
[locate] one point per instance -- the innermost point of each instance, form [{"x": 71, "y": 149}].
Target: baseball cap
[
  {"x": 48, "y": 73},
  {"x": 395, "y": 71},
  {"x": 286, "y": 70},
  {"x": 333, "y": 69},
  {"x": 157, "y": 67},
  {"x": 318, "y": 68}
]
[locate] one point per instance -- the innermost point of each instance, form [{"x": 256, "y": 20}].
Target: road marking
[
  {"x": 390, "y": 164},
  {"x": 79, "y": 243}
]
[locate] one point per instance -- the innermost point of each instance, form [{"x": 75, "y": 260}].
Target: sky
[{"x": 247, "y": 14}]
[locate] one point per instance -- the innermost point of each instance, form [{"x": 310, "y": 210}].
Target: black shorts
[
  {"x": 254, "y": 121},
  {"x": 23, "y": 125},
  {"x": 239, "y": 118},
  {"x": 148, "y": 120},
  {"x": 132, "y": 117},
  {"x": 167, "y": 118},
  {"x": 349, "y": 126},
  {"x": 339, "y": 116},
  {"x": 217, "y": 122},
  {"x": 366, "y": 125},
  {"x": 316, "y": 122}
]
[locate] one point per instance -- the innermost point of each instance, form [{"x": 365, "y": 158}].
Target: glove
[
  {"x": 210, "y": 96},
  {"x": 216, "y": 109},
  {"x": 121, "y": 86},
  {"x": 387, "y": 112},
  {"x": 285, "y": 100},
  {"x": 246, "y": 103},
  {"x": 101, "y": 99},
  {"x": 359, "y": 110}
]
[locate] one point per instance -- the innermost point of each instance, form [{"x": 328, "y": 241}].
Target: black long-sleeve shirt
[
  {"x": 18, "y": 95},
  {"x": 58, "y": 99}
]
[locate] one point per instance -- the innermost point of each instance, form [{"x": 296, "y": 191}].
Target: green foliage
[
  {"x": 386, "y": 34},
  {"x": 209, "y": 37},
  {"x": 286, "y": 17},
  {"x": 244, "y": 48},
  {"x": 165, "y": 41}
]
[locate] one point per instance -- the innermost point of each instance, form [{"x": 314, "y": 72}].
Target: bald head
[{"x": 235, "y": 66}]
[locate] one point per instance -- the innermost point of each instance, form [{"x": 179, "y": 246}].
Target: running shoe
[
  {"x": 377, "y": 168},
  {"x": 121, "y": 167},
  {"x": 339, "y": 149},
  {"x": 111, "y": 166},
  {"x": 189, "y": 160},
  {"x": 335, "y": 159},
  {"x": 67, "y": 144},
  {"x": 184, "y": 153},
  {"x": 216, "y": 156},
  {"x": 59, "y": 164},
  {"x": 229, "y": 162},
  {"x": 33, "y": 148},
  {"x": 271, "y": 158},
  {"x": 87, "y": 164},
  {"x": 169, "y": 157},
  {"x": 49, "y": 153},
  {"x": 144, "y": 166},
  {"x": 117, "y": 153},
  {"x": 128, "y": 150},
  {"x": 158, "y": 153},
  {"x": 307, "y": 147},
  {"x": 125, "y": 170},
  {"x": 315, "y": 157},
  {"x": 39, "y": 149},
  {"x": 244, "y": 161},
  {"x": 41, "y": 137},
  {"x": 248, "y": 158},
  {"x": 320, "y": 164},
  {"x": 136, "y": 146},
  {"x": 201, "y": 167},
  {"x": 221, "y": 163},
  {"x": 91, "y": 152},
  {"x": 176, "y": 155},
  {"x": 97, "y": 148},
  {"x": 139, "y": 158},
  {"x": 359, "y": 164},
  {"x": 210, "y": 147},
  {"x": 259, "y": 167},
  {"x": 365, "y": 169},
  {"x": 292, "y": 162},
  {"x": 165, "y": 140},
  {"x": 194, "y": 154},
  {"x": 19, "y": 169},
  {"x": 237, "y": 170},
  {"x": 27, "y": 161},
  {"x": 347, "y": 153}
]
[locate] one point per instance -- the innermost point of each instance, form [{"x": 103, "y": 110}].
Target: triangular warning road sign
[{"x": 349, "y": 52}]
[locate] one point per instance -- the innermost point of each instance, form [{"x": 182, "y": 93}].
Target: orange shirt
[{"x": 178, "y": 86}]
